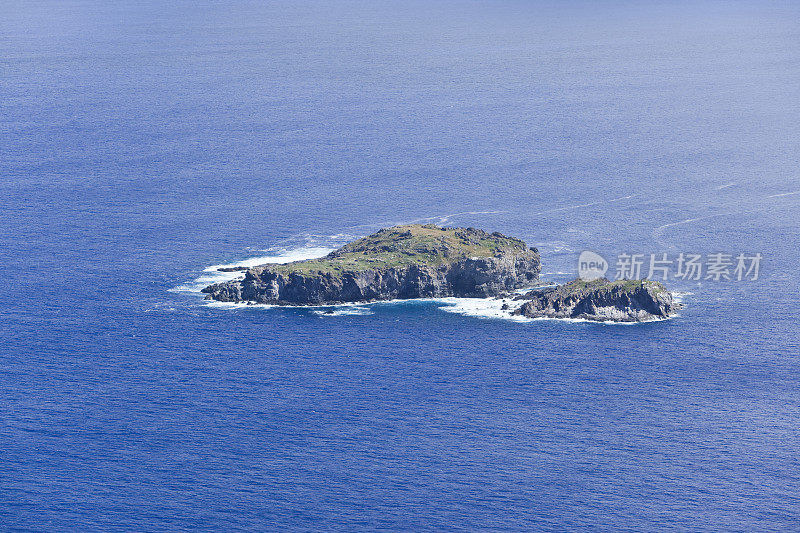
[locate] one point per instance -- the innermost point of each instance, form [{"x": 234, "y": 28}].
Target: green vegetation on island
[
  {"x": 413, "y": 244},
  {"x": 409, "y": 261}
]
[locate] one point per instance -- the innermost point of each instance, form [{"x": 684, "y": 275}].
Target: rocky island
[
  {"x": 599, "y": 300},
  {"x": 428, "y": 261},
  {"x": 403, "y": 262}
]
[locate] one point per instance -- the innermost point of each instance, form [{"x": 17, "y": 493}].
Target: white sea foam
[
  {"x": 481, "y": 308},
  {"x": 553, "y": 247},
  {"x": 492, "y": 308},
  {"x": 237, "y": 305},
  {"x": 211, "y": 274},
  {"x": 346, "y": 309},
  {"x": 588, "y": 204},
  {"x": 343, "y": 310},
  {"x": 679, "y": 296}
]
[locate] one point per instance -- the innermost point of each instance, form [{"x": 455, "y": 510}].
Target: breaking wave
[
  {"x": 492, "y": 308},
  {"x": 211, "y": 274},
  {"x": 343, "y": 310},
  {"x": 480, "y": 308}
]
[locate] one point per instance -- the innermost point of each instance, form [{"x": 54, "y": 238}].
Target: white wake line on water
[
  {"x": 659, "y": 231},
  {"x": 590, "y": 204},
  {"x": 441, "y": 219},
  {"x": 731, "y": 184},
  {"x": 446, "y": 218},
  {"x": 780, "y": 195}
]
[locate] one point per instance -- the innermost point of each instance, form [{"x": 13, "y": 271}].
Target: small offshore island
[{"x": 428, "y": 261}]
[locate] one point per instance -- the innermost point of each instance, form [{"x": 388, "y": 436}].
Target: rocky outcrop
[
  {"x": 600, "y": 300},
  {"x": 427, "y": 261},
  {"x": 416, "y": 261}
]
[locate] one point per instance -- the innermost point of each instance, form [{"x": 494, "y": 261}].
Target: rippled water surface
[{"x": 143, "y": 143}]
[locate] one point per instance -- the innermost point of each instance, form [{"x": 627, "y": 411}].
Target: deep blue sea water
[{"x": 142, "y": 142}]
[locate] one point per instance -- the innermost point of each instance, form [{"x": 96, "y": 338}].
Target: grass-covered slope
[{"x": 399, "y": 246}]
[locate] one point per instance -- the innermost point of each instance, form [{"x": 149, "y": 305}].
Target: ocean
[{"x": 143, "y": 143}]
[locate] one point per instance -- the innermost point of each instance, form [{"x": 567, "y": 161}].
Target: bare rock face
[
  {"x": 414, "y": 261},
  {"x": 600, "y": 300}
]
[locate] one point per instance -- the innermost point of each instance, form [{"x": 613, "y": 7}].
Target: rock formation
[
  {"x": 601, "y": 300},
  {"x": 427, "y": 261},
  {"x": 412, "y": 261}
]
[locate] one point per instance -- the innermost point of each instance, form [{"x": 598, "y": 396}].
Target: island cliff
[
  {"x": 411, "y": 261},
  {"x": 427, "y": 261},
  {"x": 600, "y": 300}
]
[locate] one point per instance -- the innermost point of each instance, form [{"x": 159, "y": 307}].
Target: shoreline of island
[{"x": 418, "y": 262}]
